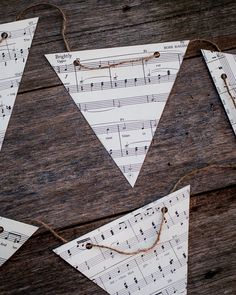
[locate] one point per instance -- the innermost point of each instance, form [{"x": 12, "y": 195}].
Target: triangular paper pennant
[
  {"x": 123, "y": 104},
  {"x": 13, "y": 235},
  {"x": 162, "y": 270},
  {"x": 14, "y": 52},
  {"x": 223, "y": 65}
]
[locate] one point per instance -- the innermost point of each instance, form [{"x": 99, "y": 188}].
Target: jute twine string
[
  {"x": 49, "y": 228},
  {"x": 163, "y": 210},
  {"x": 113, "y": 65},
  {"x": 64, "y": 19},
  {"x": 142, "y": 250},
  {"x": 224, "y": 78},
  {"x": 156, "y": 54},
  {"x": 77, "y": 61},
  {"x": 195, "y": 171},
  {"x": 147, "y": 58}
]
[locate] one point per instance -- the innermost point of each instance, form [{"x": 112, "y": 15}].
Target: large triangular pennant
[
  {"x": 13, "y": 235},
  {"x": 123, "y": 103},
  {"x": 16, "y": 39},
  {"x": 162, "y": 270},
  {"x": 222, "y": 67}
]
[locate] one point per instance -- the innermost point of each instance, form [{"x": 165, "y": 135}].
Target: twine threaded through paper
[
  {"x": 164, "y": 210},
  {"x": 224, "y": 78},
  {"x": 141, "y": 59},
  {"x": 4, "y": 36},
  {"x": 78, "y": 63},
  {"x": 143, "y": 250},
  {"x": 156, "y": 54}
]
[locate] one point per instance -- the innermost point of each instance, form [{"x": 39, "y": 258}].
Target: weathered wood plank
[
  {"x": 52, "y": 163},
  {"x": 53, "y": 167},
  {"x": 145, "y": 22},
  {"x": 212, "y": 261}
]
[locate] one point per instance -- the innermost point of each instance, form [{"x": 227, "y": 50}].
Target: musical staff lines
[
  {"x": 8, "y": 84},
  {"x": 162, "y": 270},
  {"x": 224, "y": 63},
  {"x": 27, "y": 31},
  {"x": 125, "y": 126},
  {"x": 13, "y": 235},
  {"x": 121, "y": 103},
  {"x": 13, "y": 55},
  {"x": 132, "y": 82},
  {"x": 14, "y": 51}
]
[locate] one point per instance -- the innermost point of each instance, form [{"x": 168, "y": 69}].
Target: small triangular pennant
[
  {"x": 16, "y": 38},
  {"x": 161, "y": 270},
  {"x": 123, "y": 103},
  {"x": 222, "y": 67},
  {"x": 13, "y": 235}
]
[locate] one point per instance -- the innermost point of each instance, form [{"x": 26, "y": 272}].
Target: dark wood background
[{"x": 52, "y": 166}]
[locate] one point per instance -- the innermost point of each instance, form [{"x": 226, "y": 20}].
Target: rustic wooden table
[{"x": 52, "y": 166}]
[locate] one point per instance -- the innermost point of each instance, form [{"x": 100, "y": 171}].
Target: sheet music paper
[
  {"x": 13, "y": 56},
  {"x": 122, "y": 104},
  {"x": 13, "y": 235},
  {"x": 162, "y": 270},
  {"x": 220, "y": 63}
]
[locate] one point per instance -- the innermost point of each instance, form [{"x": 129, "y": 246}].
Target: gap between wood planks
[{"x": 120, "y": 214}]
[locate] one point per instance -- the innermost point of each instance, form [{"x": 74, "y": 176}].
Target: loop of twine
[
  {"x": 206, "y": 41},
  {"x": 164, "y": 210},
  {"x": 224, "y": 78},
  {"x": 63, "y": 33},
  {"x": 64, "y": 19}
]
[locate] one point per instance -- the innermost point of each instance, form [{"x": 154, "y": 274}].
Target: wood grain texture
[
  {"x": 211, "y": 254},
  {"x": 54, "y": 168}
]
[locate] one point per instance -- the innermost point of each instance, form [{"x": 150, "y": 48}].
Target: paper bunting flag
[
  {"x": 124, "y": 103},
  {"x": 13, "y": 235},
  {"x": 14, "y": 52},
  {"x": 162, "y": 270},
  {"x": 222, "y": 67}
]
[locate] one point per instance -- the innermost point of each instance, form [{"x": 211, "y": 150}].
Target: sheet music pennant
[
  {"x": 122, "y": 104},
  {"x": 162, "y": 270},
  {"x": 13, "y": 235},
  {"x": 14, "y": 53},
  {"x": 219, "y": 64}
]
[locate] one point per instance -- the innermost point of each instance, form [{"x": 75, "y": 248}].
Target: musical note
[
  {"x": 13, "y": 235},
  {"x": 14, "y": 51},
  {"x": 133, "y": 82},
  {"x": 123, "y": 104},
  {"x": 158, "y": 271},
  {"x": 16, "y": 238}
]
